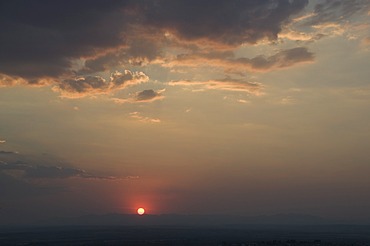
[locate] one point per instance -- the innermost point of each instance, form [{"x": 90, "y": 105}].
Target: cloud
[
  {"x": 43, "y": 40},
  {"x": 221, "y": 21},
  {"x": 329, "y": 18},
  {"x": 52, "y": 172},
  {"x": 121, "y": 80},
  {"x": 31, "y": 171},
  {"x": 366, "y": 41},
  {"x": 282, "y": 59},
  {"x": 138, "y": 52},
  {"x": 141, "y": 118},
  {"x": 223, "y": 85},
  {"x": 300, "y": 36},
  {"x": 82, "y": 86},
  {"x": 39, "y": 171},
  {"x": 142, "y": 96},
  {"x": 30, "y": 167},
  {"x": 71, "y": 46},
  {"x": 288, "y": 100},
  {"x": 39, "y": 39},
  {"x": 335, "y": 11},
  {"x": 146, "y": 95},
  {"x": 242, "y": 101},
  {"x": 6, "y": 80},
  {"x": 95, "y": 85},
  {"x": 4, "y": 152}
]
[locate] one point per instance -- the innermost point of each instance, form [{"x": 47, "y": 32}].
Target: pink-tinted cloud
[
  {"x": 6, "y": 80},
  {"x": 366, "y": 41}
]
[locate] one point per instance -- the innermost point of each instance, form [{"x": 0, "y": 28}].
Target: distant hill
[{"x": 188, "y": 220}]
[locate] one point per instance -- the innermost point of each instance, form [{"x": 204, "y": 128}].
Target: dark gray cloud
[
  {"x": 82, "y": 86},
  {"x": 41, "y": 39},
  {"x": 138, "y": 52},
  {"x": 146, "y": 95},
  {"x": 284, "y": 58},
  {"x": 142, "y": 96},
  {"x": 220, "y": 21},
  {"x": 336, "y": 10},
  {"x": 52, "y": 172}
]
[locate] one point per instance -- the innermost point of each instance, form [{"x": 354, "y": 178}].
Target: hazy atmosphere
[{"x": 184, "y": 107}]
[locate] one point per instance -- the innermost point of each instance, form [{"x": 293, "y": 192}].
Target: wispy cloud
[
  {"x": 227, "y": 84},
  {"x": 336, "y": 11},
  {"x": 30, "y": 171},
  {"x": 5, "y": 152},
  {"x": 141, "y": 118},
  {"x": 328, "y": 19},
  {"x": 227, "y": 60}
]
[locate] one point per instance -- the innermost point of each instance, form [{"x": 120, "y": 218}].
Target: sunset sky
[{"x": 183, "y": 106}]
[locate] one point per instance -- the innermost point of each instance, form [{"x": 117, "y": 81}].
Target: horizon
[
  {"x": 242, "y": 108},
  {"x": 173, "y": 219}
]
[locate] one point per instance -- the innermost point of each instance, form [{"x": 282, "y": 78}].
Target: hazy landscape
[
  {"x": 120, "y": 229},
  {"x": 188, "y": 235}
]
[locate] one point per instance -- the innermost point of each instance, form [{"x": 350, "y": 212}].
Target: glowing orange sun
[{"x": 140, "y": 211}]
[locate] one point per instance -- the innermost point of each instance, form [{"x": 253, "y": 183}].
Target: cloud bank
[
  {"x": 68, "y": 43},
  {"x": 98, "y": 48}
]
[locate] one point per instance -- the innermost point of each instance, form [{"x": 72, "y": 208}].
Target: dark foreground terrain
[{"x": 187, "y": 235}]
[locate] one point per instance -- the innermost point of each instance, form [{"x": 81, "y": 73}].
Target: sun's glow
[{"x": 140, "y": 211}]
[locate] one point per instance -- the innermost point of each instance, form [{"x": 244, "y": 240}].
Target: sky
[{"x": 186, "y": 107}]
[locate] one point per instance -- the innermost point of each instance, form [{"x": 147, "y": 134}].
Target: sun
[{"x": 140, "y": 211}]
